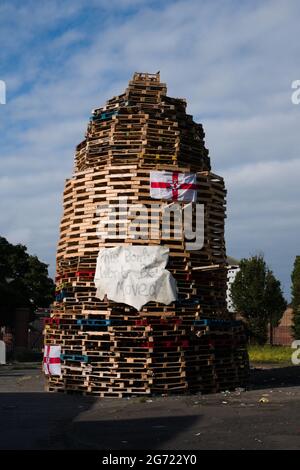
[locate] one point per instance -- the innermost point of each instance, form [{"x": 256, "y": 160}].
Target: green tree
[
  {"x": 257, "y": 296},
  {"x": 24, "y": 281},
  {"x": 296, "y": 297}
]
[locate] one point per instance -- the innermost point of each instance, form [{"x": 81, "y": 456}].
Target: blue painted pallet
[
  {"x": 74, "y": 357},
  {"x": 103, "y": 116},
  {"x": 62, "y": 295},
  {"x": 94, "y": 322},
  {"x": 216, "y": 322},
  {"x": 90, "y": 322},
  {"x": 187, "y": 302}
]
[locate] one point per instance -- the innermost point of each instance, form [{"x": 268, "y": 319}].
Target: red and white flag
[
  {"x": 173, "y": 185},
  {"x": 52, "y": 363}
]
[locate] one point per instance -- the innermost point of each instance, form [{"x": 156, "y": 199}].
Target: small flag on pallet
[
  {"x": 172, "y": 185},
  {"x": 52, "y": 362}
]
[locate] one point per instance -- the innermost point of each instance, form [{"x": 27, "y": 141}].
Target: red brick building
[{"x": 283, "y": 333}]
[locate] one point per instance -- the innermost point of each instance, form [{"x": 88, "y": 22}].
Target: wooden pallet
[{"x": 110, "y": 349}]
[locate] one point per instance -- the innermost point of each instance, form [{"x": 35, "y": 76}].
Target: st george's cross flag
[
  {"x": 172, "y": 185},
  {"x": 52, "y": 363}
]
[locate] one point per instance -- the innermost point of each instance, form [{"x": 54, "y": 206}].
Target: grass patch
[{"x": 271, "y": 354}]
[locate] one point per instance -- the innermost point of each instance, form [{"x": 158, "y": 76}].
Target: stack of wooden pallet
[{"x": 109, "y": 348}]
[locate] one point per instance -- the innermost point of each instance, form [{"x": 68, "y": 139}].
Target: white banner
[{"x": 135, "y": 275}]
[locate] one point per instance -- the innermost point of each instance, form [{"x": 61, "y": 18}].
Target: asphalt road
[{"x": 267, "y": 416}]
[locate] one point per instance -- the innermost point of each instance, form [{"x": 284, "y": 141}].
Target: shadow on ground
[
  {"x": 38, "y": 420},
  {"x": 33, "y": 419},
  {"x": 135, "y": 433},
  {"x": 274, "y": 377},
  {"x": 52, "y": 421}
]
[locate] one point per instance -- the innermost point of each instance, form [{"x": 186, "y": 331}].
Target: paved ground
[{"x": 265, "y": 417}]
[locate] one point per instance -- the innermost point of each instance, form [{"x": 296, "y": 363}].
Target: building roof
[
  {"x": 287, "y": 317},
  {"x": 232, "y": 261}
]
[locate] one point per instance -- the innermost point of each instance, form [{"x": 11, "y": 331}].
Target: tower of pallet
[{"x": 110, "y": 349}]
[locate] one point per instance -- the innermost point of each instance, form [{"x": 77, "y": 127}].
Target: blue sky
[{"x": 233, "y": 61}]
